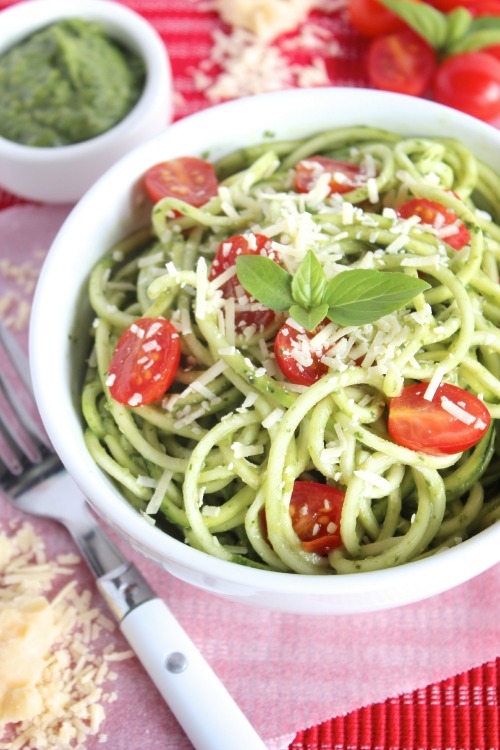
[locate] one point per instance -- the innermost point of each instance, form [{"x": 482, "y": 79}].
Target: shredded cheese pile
[
  {"x": 15, "y": 301},
  {"x": 52, "y": 670},
  {"x": 265, "y": 18},
  {"x": 247, "y": 59}
]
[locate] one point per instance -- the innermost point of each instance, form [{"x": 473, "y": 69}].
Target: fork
[{"x": 34, "y": 480}]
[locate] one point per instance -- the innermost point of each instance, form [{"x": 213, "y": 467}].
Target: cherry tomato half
[
  {"x": 225, "y": 258},
  {"x": 345, "y": 175},
  {"x": 188, "y": 178},
  {"x": 401, "y": 62},
  {"x": 426, "y": 426},
  {"x": 439, "y": 217},
  {"x": 470, "y": 82},
  {"x": 144, "y": 362},
  {"x": 289, "y": 340},
  {"x": 371, "y": 18},
  {"x": 315, "y": 510}
]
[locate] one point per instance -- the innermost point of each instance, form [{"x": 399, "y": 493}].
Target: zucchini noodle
[{"x": 232, "y": 435}]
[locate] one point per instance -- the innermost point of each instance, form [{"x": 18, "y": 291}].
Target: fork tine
[
  {"x": 14, "y": 434},
  {"x": 8, "y": 457},
  {"x": 17, "y": 387}
]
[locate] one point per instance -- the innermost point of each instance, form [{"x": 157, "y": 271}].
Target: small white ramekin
[{"x": 63, "y": 174}]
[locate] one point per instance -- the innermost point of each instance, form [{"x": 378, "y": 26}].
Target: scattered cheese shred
[
  {"x": 434, "y": 383},
  {"x": 159, "y": 493},
  {"x": 15, "y": 302},
  {"x": 273, "y": 418},
  {"x": 456, "y": 411},
  {"x": 51, "y": 669},
  {"x": 201, "y": 288},
  {"x": 374, "y": 479}
]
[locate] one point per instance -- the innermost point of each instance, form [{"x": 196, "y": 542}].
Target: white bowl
[
  {"x": 56, "y": 363},
  {"x": 63, "y": 174}
]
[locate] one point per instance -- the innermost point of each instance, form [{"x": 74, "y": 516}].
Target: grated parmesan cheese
[
  {"x": 374, "y": 479},
  {"x": 372, "y": 186},
  {"x": 51, "y": 672},
  {"x": 265, "y": 18},
  {"x": 246, "y": 60},
  {"x": 159, "y": 493},
  {"x": 273, "y": 418},
  {"x": 396, "y": 245},
  {"x": 434, "y": 383},
  {"x": 241, "y": 450},
  {"x": 456, "y": 411},
  {"x": 201, "y": 288}
]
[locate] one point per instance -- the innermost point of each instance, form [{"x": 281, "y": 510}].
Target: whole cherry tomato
[
  {"x": 476, "y": 8},
  {"x": 371, "y": 18},
  {"x": 470, "y": 82},
  {"x": 495, "y": 50},
  {"x": 403, "y": 62}
]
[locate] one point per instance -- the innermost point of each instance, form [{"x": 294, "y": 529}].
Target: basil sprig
[
  {"x": 353, "y": 297},
  {"x": 449, "y": 33}
]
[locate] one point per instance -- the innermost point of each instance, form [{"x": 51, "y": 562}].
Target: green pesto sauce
[{"x": 66, "y": 83}]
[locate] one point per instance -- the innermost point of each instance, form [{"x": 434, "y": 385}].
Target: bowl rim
[
  {"x": 141, "y": 37},
  {"x": 481, "y": 550}
]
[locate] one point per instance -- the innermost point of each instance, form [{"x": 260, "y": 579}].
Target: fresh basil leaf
[
  {"x": 265, "y": 280},
  {"x": 459, "y": 22},
  {"x": 428, "y": 22},
  {"x": 309, "y": 281},
  {"x": 362, "y": 296},
  {"x": 475, "y": 41},
  {"x": 308, "y": 318}
]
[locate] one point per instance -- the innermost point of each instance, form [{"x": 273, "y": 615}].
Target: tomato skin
[
  {"x": 431, "y": 212},
  {"x": 444, "y": 5},
  {"x": 345, "y": 176},
  {"x": 315, "y": 510},
  {"x": 476, "y": 8},
  {"x": 495, "y": 50},
  {"x": 188, "y": 178},
  {"x": 470, "y": 82},
  {"x": 225, "y": 258},
  {"x": 240, "y": 244},
  {"x": 144, "y": 362},
  {"x": 427, "y": 427},
  {"x": 403, "y": 62},
  {"x": 371, "y": 18},
  {"x": 286, "y": 340}
]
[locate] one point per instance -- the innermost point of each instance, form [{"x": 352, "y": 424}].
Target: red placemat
[{"x": 461, "y": 712}]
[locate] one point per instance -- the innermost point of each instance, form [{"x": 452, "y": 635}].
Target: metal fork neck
[{"x": 58, "y": 497}]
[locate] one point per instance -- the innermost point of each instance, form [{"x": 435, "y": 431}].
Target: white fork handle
[
  {"x": 202, "y": 705},
  {"x": 198, "y": 699}
]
